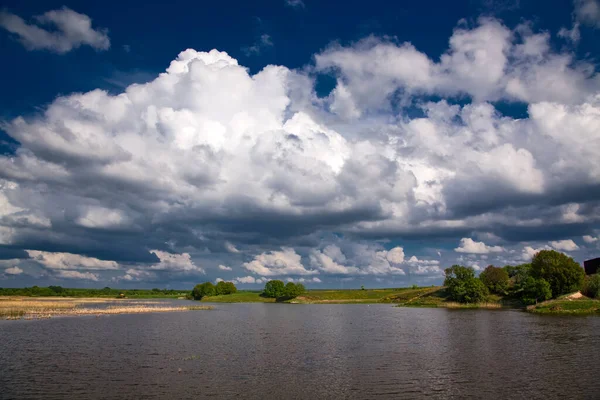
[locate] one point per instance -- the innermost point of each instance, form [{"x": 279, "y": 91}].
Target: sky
[{"x": 335, "y": 144}]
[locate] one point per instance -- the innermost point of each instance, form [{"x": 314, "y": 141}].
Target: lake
[{"x": 283, "y": 351}]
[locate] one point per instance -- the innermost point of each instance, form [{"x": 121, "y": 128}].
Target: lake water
[{"x": 282, "y": 351}]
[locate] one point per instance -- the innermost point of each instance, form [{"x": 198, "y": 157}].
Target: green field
[
  {"x": 241, "y": 296},
  {"x": 344, "y": 296}
]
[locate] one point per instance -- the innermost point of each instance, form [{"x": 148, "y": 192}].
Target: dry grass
[
  {"x": 26, "y": 308},
  {"x": 451, "y": 304}
]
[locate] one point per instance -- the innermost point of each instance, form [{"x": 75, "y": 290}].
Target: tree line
[
  {"x": 549, "y": 275},
  {"x": 59, "y": 291},
  {"x": 208, "y": 289},
  {"x": 275, "y": 289}
]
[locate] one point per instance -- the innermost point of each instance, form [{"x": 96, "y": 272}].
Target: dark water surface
[{"x": 282, "y": 351}]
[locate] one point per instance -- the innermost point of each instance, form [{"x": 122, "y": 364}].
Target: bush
[
  {"x": 225, "y": 288},
  {"x": 562, "y": 272},
  {"x": 203, "y": 289},
  {"x": 591, "y": 286},
  {"x": 495, "y": 279},
  {"x": 274, "y": 289},
  {"x": 463, "y": 286}
]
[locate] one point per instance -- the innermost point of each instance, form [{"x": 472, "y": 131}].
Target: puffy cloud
[
  {"x": 468, "y": 245},
  {"x": 13, "y": 271},
  {"x": 564, "y": 245},
  {"x": 208, "y": 159},
  {"x": 99, "y": 217},
  {"x": 224, "y": 268},
  {"x": 59, "y": 31},
  {"x": 175, "y": 262},
  {"x": 488, "y": 62},
  {"x": 136, "y": 275},
  {"x": 284, "y": 262},
  {"x": 529, "y": 252},
  {"x": 590, "y": 239},
  {"x": 65, "y": 274},
  {"x": 249, "y": 280},
  {"x": 61, "y": 261}
]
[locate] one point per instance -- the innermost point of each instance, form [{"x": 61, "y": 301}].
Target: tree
[
  {"x": 495, "y": 279},
  {"x": 562, "y": 272},
  {"x": 203, "y": 289},
  {"x": 274, "y": 289},
  {"x": 463, "y": 286},
  {"x": 293, "y": 290},
  {"x": 225, "y": 288},
  {"x": 531, "y": 290},
  {"x": 591, "y": 287}
]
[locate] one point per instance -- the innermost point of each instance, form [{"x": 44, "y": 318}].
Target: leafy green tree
[
  {"x": 531, "y": 290},
  {"x": 225, "y": 288},
  {"x": 591, "y": 286},
  {"x": 274, "y": 289},
  {"x": 203, "y": 289},
  {"x": 495, "y": 279},
  {"x": 463, "y": 286},
  {"x": 293, "y": 290},
  {"x": 562, "y": 272}
]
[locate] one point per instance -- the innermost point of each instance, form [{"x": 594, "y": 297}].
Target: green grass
[
  {"x": 343, "y": 296},
  {"x": 238, "y": 297},
  {"x": 582, "y": 306},
  {"x": 347, "y": 296}
]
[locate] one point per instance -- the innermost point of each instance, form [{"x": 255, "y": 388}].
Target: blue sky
[{"x": 340, "y": 144}]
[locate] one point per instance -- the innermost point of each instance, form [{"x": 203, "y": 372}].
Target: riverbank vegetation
[
  {"x": 207, "y": 289},
  {"x": 29, "y": 308}
]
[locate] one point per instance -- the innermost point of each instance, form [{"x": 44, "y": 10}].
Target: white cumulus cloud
[
  {"x": 284, "y": 262},
  {"x": 564, "y": 245},
  {"x": 13, "y": 271},
  {"x": 468, "y": 245},
  {"x": 60, "y": 31}
]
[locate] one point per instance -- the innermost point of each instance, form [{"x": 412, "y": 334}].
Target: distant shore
[
  {"x": 430, "y": 297},
  {"x": 22, "y": 307}
]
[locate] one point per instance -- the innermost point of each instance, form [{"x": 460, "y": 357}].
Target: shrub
[
  {"x": 274, "y": 289},
  {"x": 591, "y": 286},
  {"x": 462, "y": 285},
  {"x": 225, "y": 288},
  {"x": 562, "y": 272},
  {"x": 495, "y": 279},
  {"x": 203, "y": 289}
]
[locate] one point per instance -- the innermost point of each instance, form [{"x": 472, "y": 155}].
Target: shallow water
[{"x": 283, "y": 351}]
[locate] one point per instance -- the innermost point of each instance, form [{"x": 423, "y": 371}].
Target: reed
[
  {"x": 26, "y": 308},
  {"x": 452, "y": 304}
]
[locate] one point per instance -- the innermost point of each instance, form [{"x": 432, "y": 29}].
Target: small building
[{"x": 592, "y": 266}]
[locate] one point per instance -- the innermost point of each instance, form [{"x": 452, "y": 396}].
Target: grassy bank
[
  {"x": 581, "y": 306},
  {"x": 241, "y": 296},
  {"x": 342, "y": 296},
  {"x": 28, "y": 308}
]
